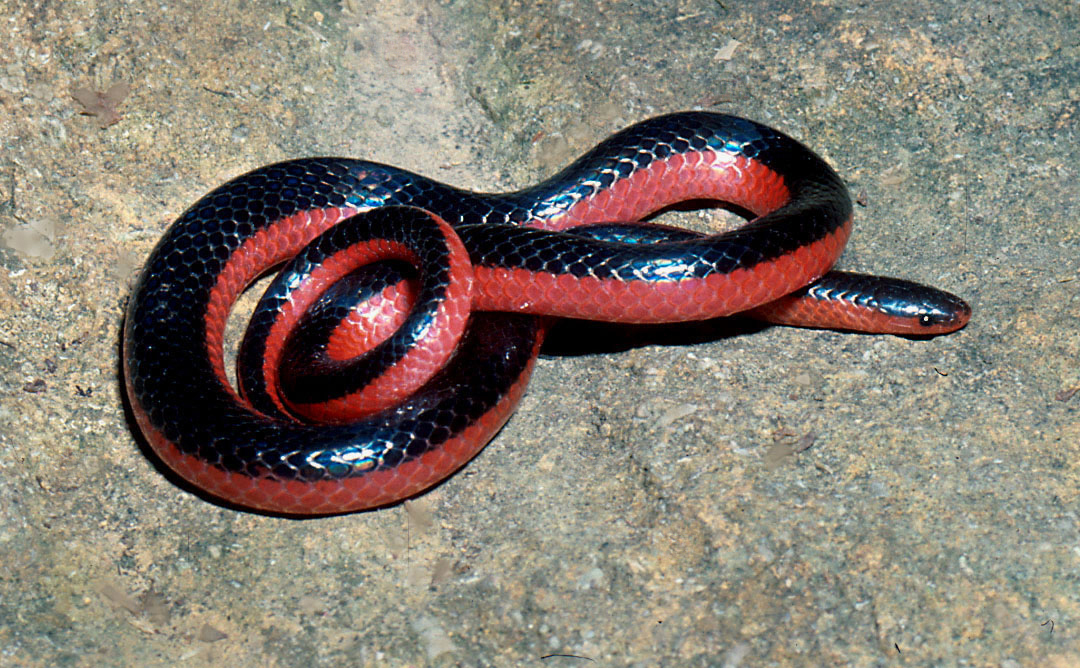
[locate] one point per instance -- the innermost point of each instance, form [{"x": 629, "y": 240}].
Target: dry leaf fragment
[
  {"x": 102, "y": 105},
  {"x": 208, "y": 634},
  {"x": 118, "y": 598}
]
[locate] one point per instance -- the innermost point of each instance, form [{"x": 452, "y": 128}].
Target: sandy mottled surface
[{"x": 653, "y": 501}]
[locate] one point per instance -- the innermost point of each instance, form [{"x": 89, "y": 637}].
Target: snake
[{"x": 469, "y": 283}]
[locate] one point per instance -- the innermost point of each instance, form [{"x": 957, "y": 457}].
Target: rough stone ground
[{"x": 653, "y": 502}]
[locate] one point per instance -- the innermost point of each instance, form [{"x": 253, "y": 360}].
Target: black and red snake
[{"x": 449, "y": 293}]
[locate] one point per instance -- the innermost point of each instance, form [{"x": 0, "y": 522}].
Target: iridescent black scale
[
  {"x": 810, "y": 181},
  {"x": 892, "y": 297},
  {"x": 305, "y": 370},
  {"x": 174, "y": 383}
]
